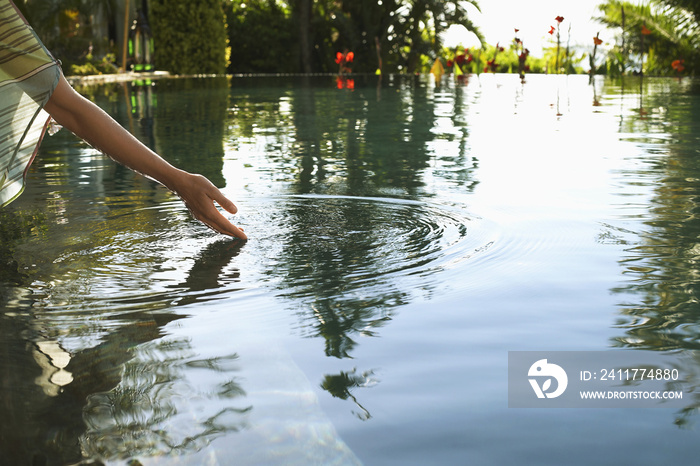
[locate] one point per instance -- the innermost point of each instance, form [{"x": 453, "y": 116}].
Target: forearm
[{"x": 89, "y": 122}]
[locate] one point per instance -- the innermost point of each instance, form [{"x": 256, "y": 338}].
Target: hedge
[{"x": 189, "y": 36}]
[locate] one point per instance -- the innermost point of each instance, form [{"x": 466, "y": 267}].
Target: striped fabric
[{"x": 28, "y": 76}]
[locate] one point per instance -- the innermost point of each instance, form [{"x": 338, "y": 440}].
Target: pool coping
[{"x": 115, "y": 77}]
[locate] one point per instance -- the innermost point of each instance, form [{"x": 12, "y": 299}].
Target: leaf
[{"x": 546, "y": 385}]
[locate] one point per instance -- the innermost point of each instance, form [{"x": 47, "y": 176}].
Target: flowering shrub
[{"x": 343, "y": 59}]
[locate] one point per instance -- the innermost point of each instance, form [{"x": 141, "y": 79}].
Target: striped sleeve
[{"x": 28, "y": 76}]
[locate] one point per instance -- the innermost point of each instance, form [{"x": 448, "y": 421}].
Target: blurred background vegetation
[{"x": 304, "y": 36}]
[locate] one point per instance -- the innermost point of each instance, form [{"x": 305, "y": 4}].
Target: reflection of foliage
[
  {"x": 335, "y": 262},
  {"x": 336, "y": 322},
  {"x": 382, "y": 148},
  {"x": 136, "y": 391},
  {"x": 338, "y": 278},
  {"x": 191, "y": 114},
  {"x": 664, "y": 264},
  {"x": 662, "y": 258},
  {"x": 144, "y": 414},
  {"x": 341, "y": 386},
  {"x": 15, "y": 226},
  {"x": 689, "y": 366},
  {"x": 364, "y": 143}
]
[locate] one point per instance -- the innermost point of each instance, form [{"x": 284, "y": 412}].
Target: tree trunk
[{"x": 305, "y": 45}]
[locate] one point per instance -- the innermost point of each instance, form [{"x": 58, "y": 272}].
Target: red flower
[
  {"x": 645, "y": 31},
  {"x": 341, "y": 57},
  {"x": 460, "y": 59},
  {"x": 559, "y": 19},
  {"x": 677, "y": 65},
  {"x": 516, "y": 30},
  {"x": 449, "y": 63},
  {"x": 551, "y": 29}
]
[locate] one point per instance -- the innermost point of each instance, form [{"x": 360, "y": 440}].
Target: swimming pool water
[{"x": 403, "y": 238}]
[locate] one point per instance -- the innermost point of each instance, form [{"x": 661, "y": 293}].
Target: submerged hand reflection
[{"x": 123, "y": 378}]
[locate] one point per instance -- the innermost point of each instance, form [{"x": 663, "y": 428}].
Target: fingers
[
  {"x": 224, "y": 202},
  {"x": 199, "y": 196},
  {"x": 219, "y": 223}
]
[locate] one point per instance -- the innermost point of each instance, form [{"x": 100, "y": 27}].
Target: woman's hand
[{"x": 199, "y": 194}]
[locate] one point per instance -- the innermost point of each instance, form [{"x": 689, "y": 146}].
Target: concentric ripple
[
  {"x": 331, "y": 247},
  {"x": 354, "y": 252}
]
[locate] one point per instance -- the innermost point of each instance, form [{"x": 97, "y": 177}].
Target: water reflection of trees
[
  {"x": 123, "y": 385},
  {"x": 332, "y": 271},
  {"x": 378, "y": 139},
  {"x": 372, "y": 145},
  {"x": 112, "y": 390},
  {"x": 372, "y": 141},
  {"x": 362, "y": 143},
  {"x": 117, "y": 398},
  {"x": 342, "y": 384},
  {"x": 661, "y": 263},
  {"x": 189, "y": 129},
  {"x": 662, "y": 266},
  {"x": 333, "y": 263}
]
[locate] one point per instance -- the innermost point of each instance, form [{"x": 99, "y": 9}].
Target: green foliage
[
  {"x": 674, "y": 35},
  {"x": 189, "y": 37},
  {"x": 506, "y": 60},
  {"x": 92, "y": 66},
  {"x": 261, "y": 36},
  {"x": 67, "y": 28},
  {"x": 402, "y": 35},
  {"x": 568, "y": 63}
]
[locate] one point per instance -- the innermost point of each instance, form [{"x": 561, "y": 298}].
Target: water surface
[{"x": 404, "y": 238}]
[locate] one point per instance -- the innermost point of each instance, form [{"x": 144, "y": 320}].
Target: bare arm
[{"x": 89, "y": 122}]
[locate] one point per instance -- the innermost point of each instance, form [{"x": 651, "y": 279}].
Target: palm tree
[{"x": 674, "y": 33}]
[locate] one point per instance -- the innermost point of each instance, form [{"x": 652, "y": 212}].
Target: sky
[{"x": 499, "y": 18}]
